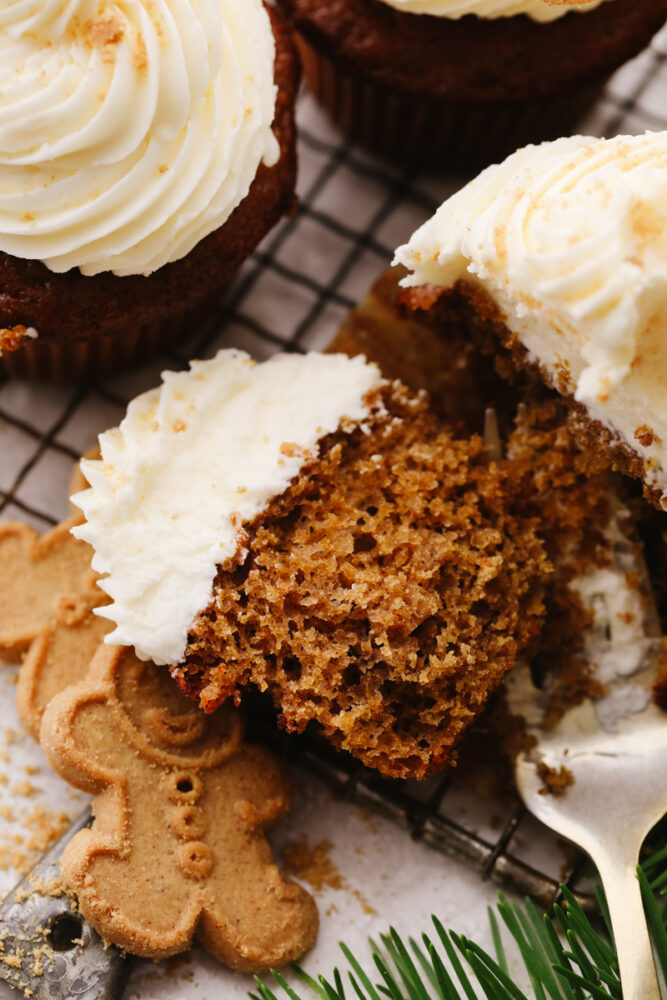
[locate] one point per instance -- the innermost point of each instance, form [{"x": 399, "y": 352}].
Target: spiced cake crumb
[
  {"x": 312, "y": 864},
  {"x": 556, "y": 780},
  {"x": 384, "y": 596},
  {"x": 480, "y": 317},
  {"x": 562, "y": 482}
]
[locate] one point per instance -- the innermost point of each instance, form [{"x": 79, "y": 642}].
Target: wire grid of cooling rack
[{"x": 291, "y": 295}]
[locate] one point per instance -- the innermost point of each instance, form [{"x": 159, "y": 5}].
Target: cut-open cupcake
[
  {"x": 558, "y": 258},
  {"x": 144, "y": 153},
  {"x": 311, "y": 528}
]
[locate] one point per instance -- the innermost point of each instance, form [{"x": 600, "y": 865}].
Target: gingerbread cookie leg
[{"x": 273, "y": 919}]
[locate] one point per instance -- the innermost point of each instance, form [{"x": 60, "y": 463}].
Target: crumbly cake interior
[
  {"x": 384, "y": 595},
  {"x": 563, "y": 492},
  {"x": 565, "y": 487},
  {"x": 307, "y": 627},
  {"x": 424, "y": 353},
  {"x": 482, "y": 324},
  {"x": 653, "y": 532}
]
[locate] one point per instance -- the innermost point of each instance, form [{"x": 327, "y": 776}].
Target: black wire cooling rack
[{"x": 292, "y": 295}]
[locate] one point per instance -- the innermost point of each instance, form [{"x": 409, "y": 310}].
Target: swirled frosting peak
[
  {"x": 129, "y": 129},
  {"x": 538, "y": 10},
  {"x": 570, "y": 240}
]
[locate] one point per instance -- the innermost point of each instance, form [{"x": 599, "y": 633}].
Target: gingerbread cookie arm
[
  {"x": 61, "y": 654},
  {"x": 33, "y": 674},
  {"x": 19, "y": 624},
  {"x": 263, "y": 790},
  {"x": 35, "y": 571},
  {"x": 73, "y": 735}
]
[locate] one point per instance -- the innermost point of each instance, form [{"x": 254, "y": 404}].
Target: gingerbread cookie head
[
  {"x": 156, "y": 719},
  {"x": 177, "y": 849},
  {"x": 47, "y": 595}
]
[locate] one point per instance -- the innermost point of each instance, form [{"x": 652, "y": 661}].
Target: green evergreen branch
[{"x": 578, "y": 964}]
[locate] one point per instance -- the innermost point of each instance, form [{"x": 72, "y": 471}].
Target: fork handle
[{"x": 633, "y": 946}]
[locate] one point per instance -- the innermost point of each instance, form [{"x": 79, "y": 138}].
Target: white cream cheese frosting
[
  {"x": 538, "y": 10},
  {"x": 191, "y": 463},
  {"x": 569, "y": 238},
  {"x": 129, "y": 129}
]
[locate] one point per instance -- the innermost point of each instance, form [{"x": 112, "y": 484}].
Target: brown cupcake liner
[
  {"x": 104, "y": 355},
  {"x": 443, "y": 135}
]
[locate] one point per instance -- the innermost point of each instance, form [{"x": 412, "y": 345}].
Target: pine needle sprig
[
  {"x": 655, "y": 920},
  {"x": 580, "y": 963}
]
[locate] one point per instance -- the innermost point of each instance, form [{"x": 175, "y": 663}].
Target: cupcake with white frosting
[
  {"x": 450, "y": 83},
  {"x": 145, "y": 150},
  {"x": 558, "y": 258},
  {"x": 308, "y": 527}
]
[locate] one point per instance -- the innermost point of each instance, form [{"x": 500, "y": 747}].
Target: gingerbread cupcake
[
  {"x": 556, "y": 261},
  {"x": 310, "y": 528},
  {"x": 144, "y": 152},
  {"x": 450, "y": 83}
]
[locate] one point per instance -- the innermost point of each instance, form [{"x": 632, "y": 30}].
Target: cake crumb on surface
[
  {"x": 646, "y": 436},
  {"x": 556, "y": 780},
  {"x": 367, "y": 590},
  {"x": 312, "y": 864},
  {"x": 26, "y": 789},
  {"x": 40, "y": 829},
  {"x": 105, "y": 29}
]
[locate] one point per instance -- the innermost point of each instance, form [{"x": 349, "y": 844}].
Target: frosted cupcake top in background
[
  {"x": 129, "y": 132},
  {"x": 538, "y": 10},
  {"x": 569, "y": 239}
]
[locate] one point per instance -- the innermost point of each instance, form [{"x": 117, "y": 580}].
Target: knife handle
[{"x": 48, "y": 951}]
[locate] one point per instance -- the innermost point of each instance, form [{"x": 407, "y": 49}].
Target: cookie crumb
[
  {"x": 646, "y": 436},
  {"x": 25, "y": 789}
]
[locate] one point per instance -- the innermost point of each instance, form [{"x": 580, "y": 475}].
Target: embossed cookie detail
[{"x": 177, "y": 848}]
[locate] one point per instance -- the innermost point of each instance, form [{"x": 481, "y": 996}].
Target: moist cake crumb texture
[
  {"x": 562, "y": 491},
  {"x": 565, "y": 487},
  {"x": 385, "y": 593}
]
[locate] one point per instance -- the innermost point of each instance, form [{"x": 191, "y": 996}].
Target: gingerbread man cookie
[
  {"x": 47, "y": 595},
  {"x": 177, "y": 848}
]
